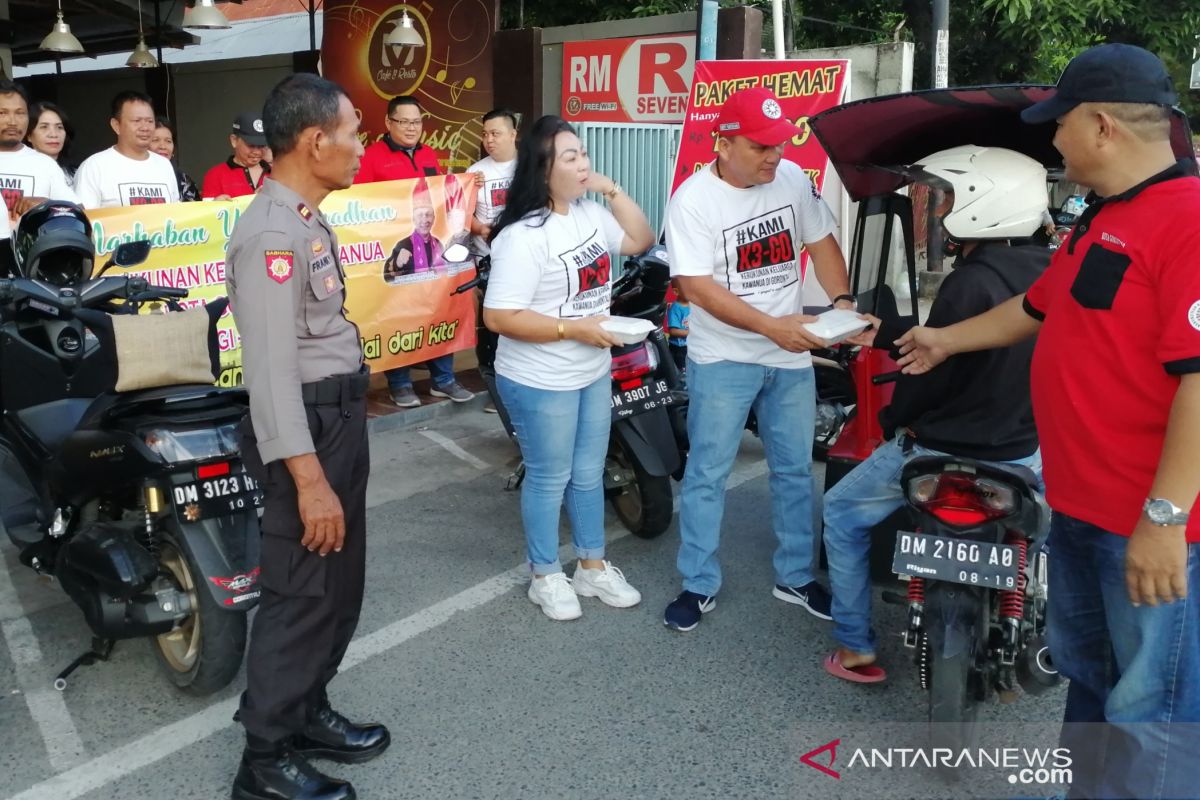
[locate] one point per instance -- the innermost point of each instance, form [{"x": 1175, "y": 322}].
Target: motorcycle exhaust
[{"x": 1035, "y": 670}]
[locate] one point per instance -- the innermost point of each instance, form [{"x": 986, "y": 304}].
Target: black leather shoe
[
  {"x": 285, "y": 775},
  {"x": 330, "y": 735}
]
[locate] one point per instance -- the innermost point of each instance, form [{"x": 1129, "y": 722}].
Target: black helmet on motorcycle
[{"x": 53, "y": 243}]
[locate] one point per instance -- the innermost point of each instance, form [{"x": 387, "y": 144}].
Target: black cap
[
  {"x": 248, "y": 126},
  {"x": 1109, "y": 73}
]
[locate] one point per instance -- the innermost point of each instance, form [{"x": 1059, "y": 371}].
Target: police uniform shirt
[{"x": 287, "y": 289}]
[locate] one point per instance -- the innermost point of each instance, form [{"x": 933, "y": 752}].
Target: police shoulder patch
[
  {"x": 304, "y": 211},
  {"x": 280, "y": 264}
]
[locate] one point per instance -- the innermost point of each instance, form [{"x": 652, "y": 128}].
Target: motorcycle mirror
[
  {"x": 456, "y": 253},
  {"x": 130, "y": 254}
]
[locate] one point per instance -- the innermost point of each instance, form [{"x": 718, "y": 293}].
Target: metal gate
[{"x": 639, "y": 157}]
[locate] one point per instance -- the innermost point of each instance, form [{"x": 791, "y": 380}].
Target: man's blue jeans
[
  {"x": 563, "y": 438},
  {"x": 1132, "y": 720},
  {"x": 441, "y": 369},
  {"x": 858, "y": 502},
  {"x": 721, "y": 395}
]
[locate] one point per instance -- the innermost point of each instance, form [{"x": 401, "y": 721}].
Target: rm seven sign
[{"x": 627, "y": 80}]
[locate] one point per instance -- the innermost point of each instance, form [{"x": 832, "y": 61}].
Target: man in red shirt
[
  {"x": 244, "y": 172},
  {"x": 1116, "y": 396},
  {"x": 400, "y": 154}
]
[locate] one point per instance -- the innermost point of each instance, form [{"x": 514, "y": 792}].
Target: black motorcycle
[
  {"x": 136, "y": 502},
  {"x": 648, "y": 443},
  {"x": 977, "y": 590}
]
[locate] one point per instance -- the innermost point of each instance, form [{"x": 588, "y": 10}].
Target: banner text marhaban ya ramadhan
[{"x": 401, "y": 322}]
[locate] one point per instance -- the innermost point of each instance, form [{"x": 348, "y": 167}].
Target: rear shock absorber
[
  {"x": 151, "y": 507},
  {"x": 1012, "y": 602},
  {"x": 916, "y": 610}
]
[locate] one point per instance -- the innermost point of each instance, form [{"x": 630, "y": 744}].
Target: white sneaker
[
  {"x": 556, "y": 597},
  {"x": 608, "y": 584}
]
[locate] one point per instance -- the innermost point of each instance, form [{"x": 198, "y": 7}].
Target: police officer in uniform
[{"x": 305, "y": 440}]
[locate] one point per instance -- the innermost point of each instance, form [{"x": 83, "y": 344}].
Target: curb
[{"x": 407, "y": 418}]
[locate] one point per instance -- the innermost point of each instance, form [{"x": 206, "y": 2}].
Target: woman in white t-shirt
[{"x": 548, "y": 292}]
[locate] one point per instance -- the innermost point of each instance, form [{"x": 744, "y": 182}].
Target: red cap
[{"x": 756, "y": 114}]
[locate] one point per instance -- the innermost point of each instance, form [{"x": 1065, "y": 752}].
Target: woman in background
[
  {"x": 50, "y": 133},
  {"x": 163, "y": 143}
]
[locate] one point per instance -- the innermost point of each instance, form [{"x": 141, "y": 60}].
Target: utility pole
[
  {"x": 706, "y": 30},
  {"x": 940, "y": 77}
]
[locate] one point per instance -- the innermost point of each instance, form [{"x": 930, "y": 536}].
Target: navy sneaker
[
  {"x": 812, "y": 596},
  {"x": 684, "y": 612}
]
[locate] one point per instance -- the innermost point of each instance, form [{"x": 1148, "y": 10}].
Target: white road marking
[
  {"x": 453, "y": 449},
  {"x": 47, "y": 707},
  {"x": 170, "y": 739}
]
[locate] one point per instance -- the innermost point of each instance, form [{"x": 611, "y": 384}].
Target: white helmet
[{"x": 998, "y": 193}]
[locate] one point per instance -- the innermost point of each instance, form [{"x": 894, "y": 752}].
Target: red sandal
[{"x": 866, "y": 673}]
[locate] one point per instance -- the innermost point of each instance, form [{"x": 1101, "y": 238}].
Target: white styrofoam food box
[
  {"x": 837, "y": 324},
  {"x": 628, "y": 329}
]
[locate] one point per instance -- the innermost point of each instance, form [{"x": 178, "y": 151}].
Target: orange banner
[
  {"x": 392, "y": 239},
  {"x": 451, "y": 75}
]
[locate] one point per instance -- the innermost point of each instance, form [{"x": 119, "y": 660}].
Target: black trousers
[{"x": 310, "y": 605}]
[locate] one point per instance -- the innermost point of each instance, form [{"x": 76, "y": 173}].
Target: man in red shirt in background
[
  {"x": 1116, "y": 396},
  {"x": 399, "y": 155},
  {"x": 244, "y": 172}
]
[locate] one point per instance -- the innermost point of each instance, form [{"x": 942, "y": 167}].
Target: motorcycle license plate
[
  {"x": 939, "y": 558},
  {"x": 631, "y": 402},
  {"x": 216, "y": 497}
]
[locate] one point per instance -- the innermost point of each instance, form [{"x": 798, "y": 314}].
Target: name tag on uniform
[{"x": 322, "y": 262}]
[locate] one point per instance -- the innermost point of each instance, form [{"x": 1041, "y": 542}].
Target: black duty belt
[{"x": 336, "y": 389}]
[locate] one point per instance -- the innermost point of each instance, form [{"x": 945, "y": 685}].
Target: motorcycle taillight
[
  {"x": 961, "y": 500},
  {"x": 216, "y": 470},
  {"x": 634, "y": 364}
]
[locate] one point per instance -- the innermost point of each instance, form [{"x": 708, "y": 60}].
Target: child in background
[{"x": 677, "y": 326}]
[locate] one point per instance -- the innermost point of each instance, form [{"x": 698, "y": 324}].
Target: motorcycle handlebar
[
  {"x": 886, "y": 377},
  {"x": 468, "y": 286}
]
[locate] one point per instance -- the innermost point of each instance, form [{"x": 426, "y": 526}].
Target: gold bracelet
[
  {"x": 562, "y": 330},
  {"x": 612, "y": 193}
]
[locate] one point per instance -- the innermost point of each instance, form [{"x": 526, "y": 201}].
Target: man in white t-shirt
[
  {"x": 27, "y": 177},
  {"x": 500, "y": 143},
  {"x": 128, "y": 173},
  {"x": 736, "y": 231}
]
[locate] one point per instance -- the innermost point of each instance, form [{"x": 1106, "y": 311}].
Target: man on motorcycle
[
  {"x": 976, "y": 406},
  {"x": 1116, "y": 391}
]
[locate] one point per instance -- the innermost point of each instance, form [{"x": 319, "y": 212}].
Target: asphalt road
[{"x": 485, "y": 697}]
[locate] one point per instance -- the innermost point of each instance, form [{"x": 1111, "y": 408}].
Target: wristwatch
[
  {"x": 1163, "y": 512},
  {"x": 612, "y": 193}
]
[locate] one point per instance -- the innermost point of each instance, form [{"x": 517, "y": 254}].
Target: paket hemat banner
[{"x": 403, "y": 320}]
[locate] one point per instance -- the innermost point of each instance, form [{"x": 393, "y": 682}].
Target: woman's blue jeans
[{"x": 563, "y": 436}]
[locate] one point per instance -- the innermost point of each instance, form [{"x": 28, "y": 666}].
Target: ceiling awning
[{"x": 102, "y": 26}]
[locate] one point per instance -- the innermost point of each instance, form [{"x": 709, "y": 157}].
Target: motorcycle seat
[{"x": 113, "y": 404}]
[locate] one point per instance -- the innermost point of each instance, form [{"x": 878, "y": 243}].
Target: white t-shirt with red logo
[
  {"x": 749, "y": 241},
  {"x": 493, "y": 194},
  {"x": 562, "y": 269},
  {"x": 28, "y": 173},
  {"x": 110, "y": 179}
]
